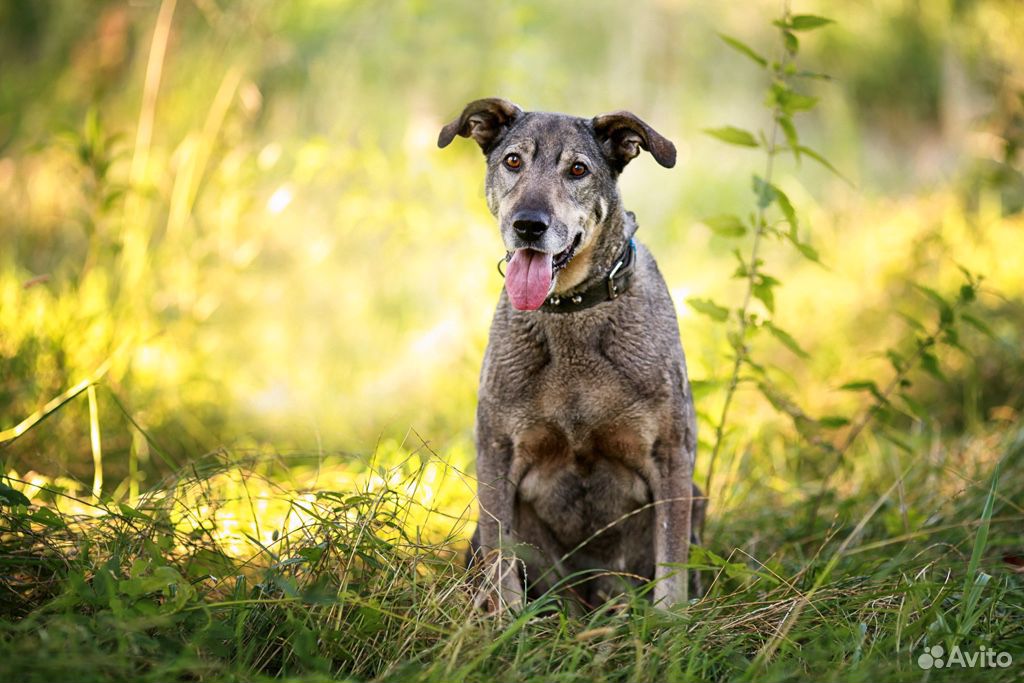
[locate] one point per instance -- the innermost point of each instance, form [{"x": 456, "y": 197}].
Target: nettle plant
[{"x": 773, "y": 216}]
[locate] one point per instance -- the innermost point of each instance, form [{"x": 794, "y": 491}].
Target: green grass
[{"x": 888, "y": 564}]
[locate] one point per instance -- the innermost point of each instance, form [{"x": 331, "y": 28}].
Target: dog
[{"x": 585, "y": 428}]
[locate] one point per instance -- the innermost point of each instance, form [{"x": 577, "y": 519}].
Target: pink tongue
[{"x": 528, "y": 279}]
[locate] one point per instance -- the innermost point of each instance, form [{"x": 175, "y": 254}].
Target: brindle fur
[{"x": 585, "y": 429}]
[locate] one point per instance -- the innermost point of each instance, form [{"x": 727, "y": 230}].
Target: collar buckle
[
  {"x": 627, "y": 256},
  {"x": 613, "y": 287}
]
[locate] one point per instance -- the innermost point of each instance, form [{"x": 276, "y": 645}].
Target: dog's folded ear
[
  {"x": 623, "y": 134},
  {"x": 483, "y": 120}
]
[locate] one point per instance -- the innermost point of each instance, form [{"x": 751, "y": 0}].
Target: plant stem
[{"x": 740, "y": 347}]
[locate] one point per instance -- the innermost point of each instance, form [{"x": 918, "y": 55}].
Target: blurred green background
[{"x": 241, "y": 207}]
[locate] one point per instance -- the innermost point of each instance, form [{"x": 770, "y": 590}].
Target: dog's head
[{"x": 551, "y": 183}]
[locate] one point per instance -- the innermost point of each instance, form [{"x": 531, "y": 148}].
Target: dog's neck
[{"x": 590, "y": 268}]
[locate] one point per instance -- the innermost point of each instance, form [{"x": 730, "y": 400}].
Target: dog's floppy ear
[
  {"x": 483, "y": 120},
  {"x": 623, "y": 134}
]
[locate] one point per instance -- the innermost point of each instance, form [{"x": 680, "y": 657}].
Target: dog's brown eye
[
  {"x": 513, "y": 161},
  {"x": 578, "y": 170}
]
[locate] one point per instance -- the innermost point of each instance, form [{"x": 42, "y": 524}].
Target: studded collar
[{"x": 608, "y": 288}]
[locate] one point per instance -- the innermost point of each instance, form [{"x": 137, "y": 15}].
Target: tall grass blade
[
  {"x": 53, "y": 405},
  {"x": 975, "y": 581},
  {"x": 94, "y": 441}
]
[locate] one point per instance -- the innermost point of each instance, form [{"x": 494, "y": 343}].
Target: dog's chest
[
  {"x": 581, "y": 486},
  {"x": 582, "y": 407},
  {"x": 583, "y": 453},
  {"x": 601, "y": 389}
]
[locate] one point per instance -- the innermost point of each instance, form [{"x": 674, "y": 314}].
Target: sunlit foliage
[{"x": 244, "y": 300}]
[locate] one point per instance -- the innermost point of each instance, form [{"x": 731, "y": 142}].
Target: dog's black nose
[{"x": 530, "y": 224}]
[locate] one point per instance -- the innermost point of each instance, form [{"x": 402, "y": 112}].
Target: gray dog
[{"x": 585, "y": 431}]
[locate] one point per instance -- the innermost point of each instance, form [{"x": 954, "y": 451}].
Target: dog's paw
[
  {"x": 501, "y": 589},
  {"x": 671, "y": 589}
]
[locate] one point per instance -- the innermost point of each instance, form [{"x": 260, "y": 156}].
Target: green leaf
[
  {"x": 916, "y": 409},
  {"x": 113, "y": 196},
  {"x": 208, "y": 562},
  {"x": 978, "y": 324},
  {"x": 931, "y": 294},
  {"x": 809, "y": 252},
  {"x": 726, "y": 225},
  {"x": 733, "y": 136},
  {"x": 699, "y": 388},
  {"x": 824, "y": 162},
  {"x": 131, "y": 513},
  {"x": 864, "y": 385},
  {"x": 779, "y": 400},
  {"x": 709, "y": 308},
  {"x": 891, "y": 412},
  {"x": 808, "y": 22},
  {"x": 860, "y": 385},
  {"x": 10, "y": 496},
  {"x": 164, "y": 580},
  {"x": 789, "y": 101},
  {"x": 763, "y": 292},
  {"x": 743, "y": 48},
  {"x": 912, "y": 321},
  {"x": 741, "y": 267},
  {"x": 784, "y": 404},
  {"x": 945, "y": 309},
  {"x": 797, "y": 102},
  {"x": 750, "y": 363},
  {"x": 833, "y": 421},
  {"x": 701, "y": 557},
  {"x": 787, "y": 339},
  {"x": 312, "y": 554},
  {"x": 951, "y": 337},
  {"x": 930, "y": 364},
  {"x": 791, "y": 41},
  {"x": 813, "y": 74},
  {"x": 764, "y": 191},
  {"x": 49, "y": 518},
  {"x": 895, "y": 439},
  {"x": 786, "y": 123},
  {"x": 786, "y": 207}
]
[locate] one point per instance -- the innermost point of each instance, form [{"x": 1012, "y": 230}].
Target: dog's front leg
[
  {"x": 673, "y": 499},
  {"x": 496, "y": 497}
]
